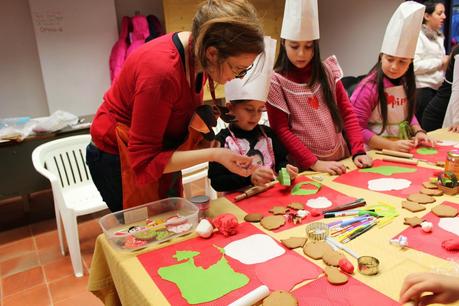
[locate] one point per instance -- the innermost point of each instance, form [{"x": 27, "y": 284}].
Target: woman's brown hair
[{"x": 230, "y": 26}]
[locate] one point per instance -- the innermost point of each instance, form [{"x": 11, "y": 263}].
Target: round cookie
[
  {"x": 278, "y": 210},
  {"x": 444, "y": 211},
  {"x": 335, "y": 276},
  {"x": 413, "y": 206},
  {"x": 296, "y": 205},
  {"x": 253, "y": 217},
  {"x": 332, "y": 258},
  {"x": 429, "y": 185},
  {"x": 280, "y": 297},
  {"x": 294, "y": 242},
  {"x": 420, "y": 198},
  {"x": 316, "y": 249},
  {"x": 272, "y": 222},
  {"x": 431, "y": 192}
]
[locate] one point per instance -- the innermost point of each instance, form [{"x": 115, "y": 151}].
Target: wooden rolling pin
[
  {"x": 400, "y": 160},
  {"x": 395, "y": 153},
  {"x": 254, "y": 190}
]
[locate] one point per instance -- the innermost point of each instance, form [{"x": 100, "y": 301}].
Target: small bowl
[{"x": 368, "y": 265}]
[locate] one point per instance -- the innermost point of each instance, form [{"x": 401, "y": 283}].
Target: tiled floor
[{"x": 33, "y": 271}]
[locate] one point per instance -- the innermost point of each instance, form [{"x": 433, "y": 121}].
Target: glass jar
[
  {"x": 202, "y": 202},
  {"x": 452, "y": 162}
]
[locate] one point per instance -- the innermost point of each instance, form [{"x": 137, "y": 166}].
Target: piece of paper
[
  {"x": 426, "y": 151},
  {"x": 386, "y": 184},
  {"x": 388, "y": 170},
  {"x": 289, "y": 271},
  {"x": 254, "y": 249},
  {"x": 447, "y": 143},
  {"x": 320, "y": 202},
  {"x": 202, "y": 285},
  {"x": 306, "y": 188},
  {"x": 450, "y": 224}
]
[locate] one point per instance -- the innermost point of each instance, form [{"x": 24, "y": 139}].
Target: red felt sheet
[
  {"x": 430, "y": 243},
  {"x": 440, "y": 156},
  {"x": 360, "y": 179},
  {"x": 281, "y": 196},
  {"x": 354, "y": 293},
  {"x": 283, "y": 279}
]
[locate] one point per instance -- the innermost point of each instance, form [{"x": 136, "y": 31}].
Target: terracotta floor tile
[
  {"x": 36, "y": 296},
  {"x": 12, "y": 236},
  {"x": 19, "y": 264},
  {"x": 85, "y": 298},
  {"x": 58, "y": 269},
  {"x": 49, "y": 255},
  {"x": 22, "y": 280},
  {"x": 47, "y": 240},
  {"x": 68, "y": 287},
  {"x": 19, "y": 248}
]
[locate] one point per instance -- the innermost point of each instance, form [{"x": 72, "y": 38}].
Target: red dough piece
[
  {"x": 226, "y": 224},
  {"x": 346, "y": 266},
  {"x": 451, "y": 244},
  {"x": 315, "y": 212}
]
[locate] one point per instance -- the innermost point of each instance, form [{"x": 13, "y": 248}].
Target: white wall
[
  {"x": 21, "y": 86},
  {"x": 353, "y": 30}
]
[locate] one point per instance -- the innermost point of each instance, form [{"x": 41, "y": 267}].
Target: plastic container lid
[{"x": 201, "y": 199}]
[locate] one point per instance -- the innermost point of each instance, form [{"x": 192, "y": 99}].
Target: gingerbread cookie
[
  {"x": 332, "y": 258},
  {"x": 280, "y": 297},
  {"x": 429, "y": 185},
  {"x": 296, "y": 205},
  {"x": 278, "y": 210},
  {"x": 253, "y": 217},
  {"x": 316, "y": 249},
  {"x": 420, "y": 198},
  {"x": 431, "y": 192},
  {"x": 413, "y": 206},
  {"x": 444, "y": 211},
  {"x": 294, "y": 242},
  {"x": 272, "y": 222},
  {"x": 413, "y": 221},
  {"x": 335, "y": 276}
]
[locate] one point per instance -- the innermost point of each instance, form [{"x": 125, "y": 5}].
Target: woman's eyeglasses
[{"x": 240, "y": 74}]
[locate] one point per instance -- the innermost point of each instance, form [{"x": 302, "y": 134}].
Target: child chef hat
[
  {"x": 402, "y": 32},
  {"x": 255, "y": 84},
  {"x": 301, "y": 20}
]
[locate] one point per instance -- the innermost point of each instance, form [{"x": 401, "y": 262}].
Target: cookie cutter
[
  {"x": 317, "y": 231},
  {"x": 368, "y": 265}
]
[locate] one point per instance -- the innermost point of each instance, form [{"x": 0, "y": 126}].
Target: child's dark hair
[
  {"x": 319, "y": 75},
  {"x": 430, "y": 7},
  {"x": 254, "y": 152},
  {"x": 409, "y": 85}
]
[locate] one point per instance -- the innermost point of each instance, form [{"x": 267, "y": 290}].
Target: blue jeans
[{"x": 105, "y": 170}]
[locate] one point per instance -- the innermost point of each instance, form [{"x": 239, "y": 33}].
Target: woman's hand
[
  {"x": 363, "y": 161},
  {"x": 444, "y": 289},
  {"x": 236, "y": 163},
  {"x": 454, "y": 128},
  {"x": 422, "y": 138},
  {"x": 331, "y": 167},
  {"x": 261, "y": 176},
  {"x": 402, "y": 145},
  {"x": 292, "y": 171}
]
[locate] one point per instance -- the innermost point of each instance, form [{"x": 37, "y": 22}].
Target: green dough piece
[
  {"x": 147, "y": 234},
  {"x": 298, "y": 188},
  {"x": 284, "y": 177},
  {"x": 199, "y": 285},
  {"x": 388, "y": 170},
  {"x": 427, "y": 151}
]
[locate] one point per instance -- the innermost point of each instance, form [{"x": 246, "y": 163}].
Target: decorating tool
[
  {"x": 350, "y": 213},
  {"x": 357, "y": 203}
]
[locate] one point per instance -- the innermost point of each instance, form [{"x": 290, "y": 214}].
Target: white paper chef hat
[
  {"x": 255, "y": 84},
  {"x": 402, "y": 32},
  {"x": 301, "y": 20}
]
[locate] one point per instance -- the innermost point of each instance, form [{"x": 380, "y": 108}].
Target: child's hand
[
  {"x": 454, "y": 128},
  {"x": 261, "y": 176},
  {"x": 332, "y": 167},
  {"x": 402, "y": 145},
  {"x": 363, "y": 161},
  {"x": 422, "y": 138},
  {"x": 292, "y": 171},
  {"x": 444, "y": 289}
]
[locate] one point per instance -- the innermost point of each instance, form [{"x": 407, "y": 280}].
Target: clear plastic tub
[{"x": 154, "y": 222}]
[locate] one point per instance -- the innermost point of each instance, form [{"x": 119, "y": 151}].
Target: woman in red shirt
[{"x": 144, "y": 117}]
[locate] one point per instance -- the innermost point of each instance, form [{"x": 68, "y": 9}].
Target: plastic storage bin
[{"x": 151, "y": 223}]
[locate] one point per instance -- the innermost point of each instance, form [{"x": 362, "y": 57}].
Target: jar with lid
[
  {"x": 202, "y": 202},
  {"x": 452, "y": 162}
]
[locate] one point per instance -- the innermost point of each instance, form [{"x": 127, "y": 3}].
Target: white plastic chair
[
  {"x": 196, "y": 173},
  {"x": 63, "y": 163}
]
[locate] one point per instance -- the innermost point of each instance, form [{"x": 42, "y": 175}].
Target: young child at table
[
  {"x": 384, "y": 101},
  {"x": 308, "y": 107},
  {"x": 245, "y": 135},
  {"x": 444, "y": 289}
]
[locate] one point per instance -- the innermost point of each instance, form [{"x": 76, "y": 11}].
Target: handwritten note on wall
[{"x": 49, "y": 20}]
